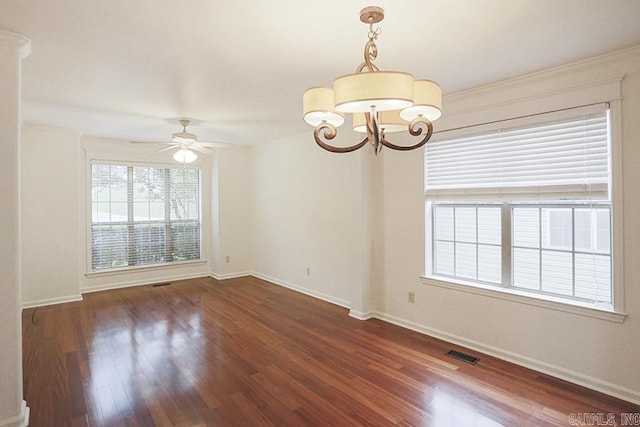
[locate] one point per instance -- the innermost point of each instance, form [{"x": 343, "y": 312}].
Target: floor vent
[
  {"x": 461, "y": 356},
  {"x": 157, "y": 285}
]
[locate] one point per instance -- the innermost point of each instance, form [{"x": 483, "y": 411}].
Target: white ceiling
[{"x": 129, "y": 69}]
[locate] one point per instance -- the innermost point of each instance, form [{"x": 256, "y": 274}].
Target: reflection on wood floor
[{"x": 244, "y": 352}]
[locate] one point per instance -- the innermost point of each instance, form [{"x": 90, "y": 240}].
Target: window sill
[
  {"x": 125, "y": 270},
  {"x": 602, "y": 312}
]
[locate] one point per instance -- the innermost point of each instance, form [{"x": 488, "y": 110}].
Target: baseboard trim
[
  {"x": 226, "y": 276},
  {"x": 362, "y": 315},
  {"x": 302, "y": 290},
  {"x": 51, "y": 301},
  {"x": 545, "y": 368},
  {"x": 132, "y": 283},
  {"x": 20, "y": 420}
]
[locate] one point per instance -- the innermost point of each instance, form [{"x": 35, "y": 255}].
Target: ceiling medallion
[{"x": 381, "y": 102}]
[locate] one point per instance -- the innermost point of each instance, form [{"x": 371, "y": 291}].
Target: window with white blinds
[
  {"x": 565, "y": 159},
  {"x": 143, "y": 215},
  {"x": 524, "y": 207}
]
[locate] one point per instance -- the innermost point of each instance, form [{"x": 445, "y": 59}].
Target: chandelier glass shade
[
  {"x": 318, "y": 107},
  {"x": 357, "y": 93},
  {"x": 381, "y": 101}
]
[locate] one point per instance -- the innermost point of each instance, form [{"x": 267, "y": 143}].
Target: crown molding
[
  {"x": 17, "y": 41},
  {"x": 605, "y": 61},
  {"x": 589, "y": 81}
]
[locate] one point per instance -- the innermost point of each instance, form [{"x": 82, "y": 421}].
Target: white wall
[
  {"x": 366, "y": 291},
  {"x": 50, "y": 214},
  {"x": 13, "y": 410},
  {"x": 231, "y": 213},
  {"x": 307, "y": 214},
  {"x": 598, "y": 353}
]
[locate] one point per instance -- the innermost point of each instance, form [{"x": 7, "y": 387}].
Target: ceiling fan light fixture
[
  {"x": 184, "y": 155},
  {"x": 187, "y": 144}
]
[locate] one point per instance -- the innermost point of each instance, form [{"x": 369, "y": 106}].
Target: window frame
[
  {"x": 613, "y": 312},
  {"x": 89, "y": 271}
]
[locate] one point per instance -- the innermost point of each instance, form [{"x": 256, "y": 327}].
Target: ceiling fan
[{"x": 187, "y": 144}]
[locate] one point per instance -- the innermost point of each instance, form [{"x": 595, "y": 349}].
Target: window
[
  {"x": 559, "y": 250},
  {"x": 143, "y": 215},
  {"x": 525, "y": 208}
]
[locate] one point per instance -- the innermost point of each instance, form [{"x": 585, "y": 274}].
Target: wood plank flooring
[{"x": 244, "y": 352}]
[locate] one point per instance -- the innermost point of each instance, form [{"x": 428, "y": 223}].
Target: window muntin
[{"x": 143, "y": 215}]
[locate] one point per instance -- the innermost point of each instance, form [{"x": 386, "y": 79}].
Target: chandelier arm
[
  {"x": 414, "y": 130},
  {"x": 370, "y": 55},
  {"x": 329, "y": 133}
]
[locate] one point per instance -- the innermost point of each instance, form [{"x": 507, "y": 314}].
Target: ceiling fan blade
[
  {"x": 186, "y": 140},
  {"x": 200, "y": 149},
  {"x": 172, "y": 147},
  {"x": 214, "y": 144}
]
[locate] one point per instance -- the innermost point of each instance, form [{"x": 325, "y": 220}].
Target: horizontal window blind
[
  {"x": 143, "y": 215},
  {"x": 563, "y": 159}
]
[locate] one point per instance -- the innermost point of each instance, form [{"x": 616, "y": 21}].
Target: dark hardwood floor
[{"x": 244, "y": 352}]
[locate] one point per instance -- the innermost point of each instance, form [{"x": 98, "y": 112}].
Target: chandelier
[{"x": 381, "y": 102}]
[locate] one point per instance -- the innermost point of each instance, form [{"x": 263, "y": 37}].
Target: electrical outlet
[
  {"x": 227, "y": 259},
  {"x": 308, "y": 271},
  {"x": 412, "y": 297}
]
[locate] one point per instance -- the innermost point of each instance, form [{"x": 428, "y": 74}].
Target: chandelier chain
[{"x": 373, "y": 34}]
